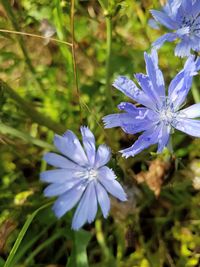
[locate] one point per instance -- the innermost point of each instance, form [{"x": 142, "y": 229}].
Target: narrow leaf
[
  {"x": 21, "y": 235},
  {"x": 4, "y": 129}
]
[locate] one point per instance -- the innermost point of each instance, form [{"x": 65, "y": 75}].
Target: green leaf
[
  {"x": 30, "y": 111},
  {"x": 78, "y": 256},
  {"x": 27, "y": 243},
  {"x": 2, "y": 262},
  {"x": 4, "y": 129},
  {"x": 23, "y": 231}
]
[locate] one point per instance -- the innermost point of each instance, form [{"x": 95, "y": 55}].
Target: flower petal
[
  {"x": 148, "y": 138},
  {"x": 153, "y": 24},
  {"x": 58, "y": 189},
  {"x": 103, "y": 199},
  {"x": 129, "y": 88},
  {"x": 163, "y": 138},
  {"x": 68, "y": 200},
  {"x": 137, "y": 126},
  {"x": 195, "y": 8},
  {"x": 60, "y": 161},
  {"x": 102, "y": 156},
  {"x": 183, "y": 48},
  {"x": 181, "y": 84},
  {"x": 130, "y": 108},
  {"x": 157, "y": 90},
  {"x": 188, "y": 126},
  {"x": 189, "y": 7},
  {"x": 172, "y": 7},
  {"x": 131, "y": 123},
  {"x": 112, "y": 186},
  {"x": 69, "y": 145},
  {"x": 163, "y": 19},
  {"x": 161, "y": 40},
  {"x": 81, "y": 213},
  {"x": 191, "y": 112},
  {"x": 89, "y": 144},
  {"x": 106, "y": 172},
  {"x": 93, "y": 204},
  {"x": 117, "y": 120},
  {"x": 60, "y": 175}
]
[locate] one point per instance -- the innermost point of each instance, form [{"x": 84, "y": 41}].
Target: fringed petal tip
[
  {"x": 153, "y": 24},
  {"x": 182, "y": 51},
  {"x": 110, "y": 121},
  {"x": 127, "y": 154},
  {"x": 119, "y": 80}
]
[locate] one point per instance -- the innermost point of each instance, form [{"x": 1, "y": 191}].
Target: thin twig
[
  {"x": 108, "y": 19},
  {"x": 170, "y": 260},
  {"x": 74, "y": 55},
  {"x": 108, "y": 59},
  {"x": 11, "y": 14},
  {"x": 36, "y": 36},
  {"x": 92, "y": 113}
]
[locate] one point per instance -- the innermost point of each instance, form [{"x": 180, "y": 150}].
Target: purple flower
[
  {"x": 81, "y": 177},
  {"x": 183, "y": 18},
  {"x": 161, "y": 113}
]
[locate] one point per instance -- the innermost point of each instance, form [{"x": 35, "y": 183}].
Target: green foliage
[
  {"x": 78, "y": 256},
  {"x": 21, "y": 235},
  {"x": 39, "y": 97}
]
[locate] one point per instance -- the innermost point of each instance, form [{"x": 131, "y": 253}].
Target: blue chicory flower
[
  {"x": 161, "y": 113},
  {"x": 182, "y": 17},
  {"x": 81, "y": 177}
]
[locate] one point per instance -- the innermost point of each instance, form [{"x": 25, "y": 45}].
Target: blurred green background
[{"x": 40, "y": 94}]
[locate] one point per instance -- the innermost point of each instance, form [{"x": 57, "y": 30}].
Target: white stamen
[{"x": 166, "y": 115}]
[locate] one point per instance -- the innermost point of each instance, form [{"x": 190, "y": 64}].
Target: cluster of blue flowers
[
  {"x": 82, "y": 176},
  {"x": 183, "y": 18}
]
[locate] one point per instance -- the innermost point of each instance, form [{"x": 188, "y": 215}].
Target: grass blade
[
  {"x": 4, "y": 129},
  {"x": 13, "y": 251}
]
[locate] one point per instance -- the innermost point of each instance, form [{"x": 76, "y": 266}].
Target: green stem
[
  {"x": 108, "y": 59},
  {"x": 6, "y": 4},
  {"x": 32, "y": 112},
  {"x": 62, "y": 33},
  {"x": 77, "y": 91},
  {"x": 101, "y": 240},
  {"x": 195, "y": 93}
]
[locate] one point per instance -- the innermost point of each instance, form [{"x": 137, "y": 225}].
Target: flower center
[
  {"x": 91, "y": 174},
  {"x": 192, "y": 23},
  {"x": 166, "y": 114}
]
